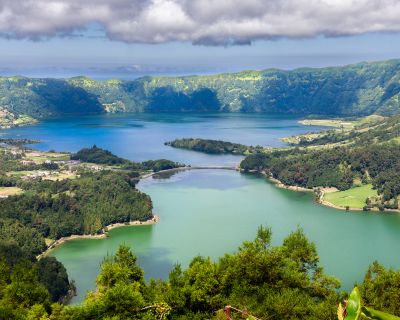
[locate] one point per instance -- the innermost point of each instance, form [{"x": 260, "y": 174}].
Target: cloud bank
[{"x": 207, "y": 22}]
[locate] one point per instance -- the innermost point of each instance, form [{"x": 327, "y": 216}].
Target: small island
[{"x": 214, "y": 146}]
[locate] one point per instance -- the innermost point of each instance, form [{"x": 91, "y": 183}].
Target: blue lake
[
  {"x": 210, "y": 212},
  {"x": 141, "y": 137}
]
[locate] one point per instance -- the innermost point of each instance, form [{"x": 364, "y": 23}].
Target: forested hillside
[
  {"x": 55, "y": 209},
  {"x": 353, "y": 90},
  {"x": 368, "y": 155},
  {"x": 49, "y": 198}
]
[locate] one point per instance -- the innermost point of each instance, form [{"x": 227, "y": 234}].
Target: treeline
[
  {"x": 213, "y": 146},
  {"x": 159, "y": 165},
  {"x": 84, "y": 205},
  {"x": 18, "y": 142},
  {"x": 28, "y": 283},
  {"x": 101, "y": 156},
  {"x": 55, "y": 209},
  {"x": 267, "y": 282},
  {"x": 372, "y": 132},
  {"x": 338, "y": 167},
  {"x": 98, "y": 155}
]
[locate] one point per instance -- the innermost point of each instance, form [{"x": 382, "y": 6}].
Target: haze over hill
[{"x": 353, "y": 90}]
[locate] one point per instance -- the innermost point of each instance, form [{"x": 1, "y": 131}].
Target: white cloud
[{"x": 215, "y": 22}]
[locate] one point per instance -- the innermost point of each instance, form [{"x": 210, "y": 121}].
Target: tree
[
  {"x": 24, "y": 289},
  {"x": 53, "y": 276},
  {"x": 381, "y": 289}
]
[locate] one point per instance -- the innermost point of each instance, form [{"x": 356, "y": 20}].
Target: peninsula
[
  {"x": 75, "y": 194},
  {"x": 349, "y": 168}
]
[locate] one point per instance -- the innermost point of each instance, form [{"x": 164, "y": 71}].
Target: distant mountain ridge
[{"x": 353, "y": 90}]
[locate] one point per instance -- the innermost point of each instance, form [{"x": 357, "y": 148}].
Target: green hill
[
  {"x": 351, "y": 160},
  {"x": 354, "y": 90}
]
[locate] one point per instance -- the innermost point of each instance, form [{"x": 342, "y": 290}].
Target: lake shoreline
[
  {"x": 104, "y": 234},
  {"x": 279, "y": 184},
  {"x": 154, "y": 220},
  {"x": 276, "y": 182},
  {"x": 376, "y": 210}
]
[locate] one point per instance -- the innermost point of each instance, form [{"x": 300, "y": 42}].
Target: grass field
[
  {"x": 337, "y": 123},
  {"x": 354, "y": 198},
  {"x": 9, "y": 191},
  {"x": 40, "y": 157}
]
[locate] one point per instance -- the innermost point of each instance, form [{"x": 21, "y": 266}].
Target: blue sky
[{"x": 168, "y": 37}]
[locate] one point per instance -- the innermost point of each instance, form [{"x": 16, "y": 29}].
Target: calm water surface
[
  {"x": 141, "y": 137},
  {"x": 210, "y": 212}
]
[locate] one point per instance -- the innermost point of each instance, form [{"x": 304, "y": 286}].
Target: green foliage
[
  {"x": 24, "y": 289},
  {"x": 120, "y": 292},
  {"x": 369, "y": 155},
  {"x": 54, "y": 209},
  {"x": 283, "y": 282},
  {"x": 359, "y": 89},
  {"x": 101, "y": 156},
  {"x": 268, "y": 282},
  {"x": 213, "y": 146},
  {"x": 369, "y": 130},
  {"x": 159, "y": 165},
  {"x": 333, "y": 167},
  {"x": 97, "y": 155},
  {"x": 304, "y": 168},
  {"x": 353, "y": 306},
  {"x": 120, "y": 267},
  {"x": 355, "y": 310},
  {"x": 377, "y": 315},
  {"x": 12, "y": 162},
  {"x": 46, "y": 97},
  {"x": 26, "y": 281},
  {"x": 18, "y": 142},
  {"x": 61, "y": 208},
  {"x": 29, "y": 240},
  {"x": 381, "y": 289},
  {"x": 20, "y": 289},
  {"x": 168, "y": 99},
  {"x": 53, "y": 276}
]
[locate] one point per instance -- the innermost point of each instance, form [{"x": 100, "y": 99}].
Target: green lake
[{"x": 210, "y": 212}]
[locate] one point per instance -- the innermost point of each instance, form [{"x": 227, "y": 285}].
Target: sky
[{"x": 131, "y": 38}]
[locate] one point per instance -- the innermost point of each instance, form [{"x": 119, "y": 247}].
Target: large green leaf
[
  {"x": 353, "y": 307},
  {"x": 377, "y": 315}
]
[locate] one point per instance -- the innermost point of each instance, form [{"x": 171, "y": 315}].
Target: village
[{"x": 20, "y": 162}]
